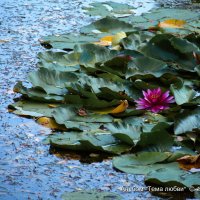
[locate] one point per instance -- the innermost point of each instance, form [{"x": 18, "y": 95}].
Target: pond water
[{"x": 28, "y": 169}]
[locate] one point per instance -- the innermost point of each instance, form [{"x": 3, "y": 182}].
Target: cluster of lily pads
[{"x": 86, "y": 87}]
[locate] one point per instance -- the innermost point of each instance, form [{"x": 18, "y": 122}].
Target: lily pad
[
  {"x": 109, "y": 25},
  {"x": 187, "y": 121},
  {"x": 68, "y": 41},
  {"x": 109, "y": 9},
  {"x": 52, "y": 81},
  {"x": 172, "y": 175},
  {"x": 34, "y": 109},
  {"x": 141, "y": 163},
  {"x": 88, "y": 141}
]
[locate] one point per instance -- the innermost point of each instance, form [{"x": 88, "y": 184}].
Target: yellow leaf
[
  {"x": 117, "y": 38},
  {"x": 52, "y": 106},
  {"x": 189, "y": 162},
  {"x": 172, "y": 23},
  {"x": 105, "y": 41},
  {"x": 117, "y": 47},
  {"x": 50, "y": 123},
  {"x": 119, "y": 109},
  {"x": 111, "y": 39}
]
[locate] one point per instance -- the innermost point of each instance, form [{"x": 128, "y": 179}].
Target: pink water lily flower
[{"x": 154, "y": 100}]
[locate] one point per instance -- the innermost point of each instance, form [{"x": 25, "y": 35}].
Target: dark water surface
[{"x": 28, "y": 170}]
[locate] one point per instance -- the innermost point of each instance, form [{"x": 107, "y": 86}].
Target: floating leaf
[
  {"x": 171, "y": 13},
  {"x": 68, "y": 41},
  {"x": 119, "y": 109},
  {"x": 160, "y": 141},
  {"x": 90, "y": 54},
  {"x": 52, "y": 81},
  {"x": 37, "y": 94},
  {"x": 189, "y": 162},
  {"x": 109, "y": 9},
  {"x": 88, "y": 141},
  {"x": 172, "y": 23},
  {"x": 141, "y": 163},
  {"x": 182, "y": 94},
  {"x": 184, "y": 46},
  {"x": 118, "y": 37},
  {"x": 105, "y": 41},
  {"x": 109, "y": 25},
  {"x": 171, "y": 175},
  {"x": 49, "y": 123},
  {"x": 68, "y": 113},
  {"x": 126, "y": 133},
  {"x": 34, "y": 109},
  {"x": 187, "y": 121}
]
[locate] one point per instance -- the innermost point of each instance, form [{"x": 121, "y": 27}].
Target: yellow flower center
[{"x": 154, "y": 96}]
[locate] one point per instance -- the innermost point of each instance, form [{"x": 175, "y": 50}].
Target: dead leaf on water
[
  {"x": 113, "y": 40},
  {"x": 50, "y": 123},
  {"x": 105, "y": 41},
  {"x": 52, "y": 106},
  {"x": 189, "y": 162},
  {"x": 119, "y": 109},
  {"x": 4, "y": 41},
  {"x": 117, "y": 38},
  {"x": 172, "y": 23}
]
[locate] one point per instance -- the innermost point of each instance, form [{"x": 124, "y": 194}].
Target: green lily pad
[
  {"x": 70, "y": 113},
  {"x": 59, "y": 61},
  {"x": 109, "y": 9},
  {"x": 141, "y": 163},
  {"x": 34, "y": 109},
  {"x": 109, "y": 25},
  {"x": 187, "y": 121},
  {"x": 88, "y": 141},
  {"x": 172, "y": 175},
  {"x": 160, "y": 141},
  {"x": 37, "y": 94},
  {"x": 52, "y": 81},
  {"x": 182, "y": 93},
  {"x": 68, "y": 41},
  {"x": 126, "y": 133},
  {"x": 90, "y": 54}
]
